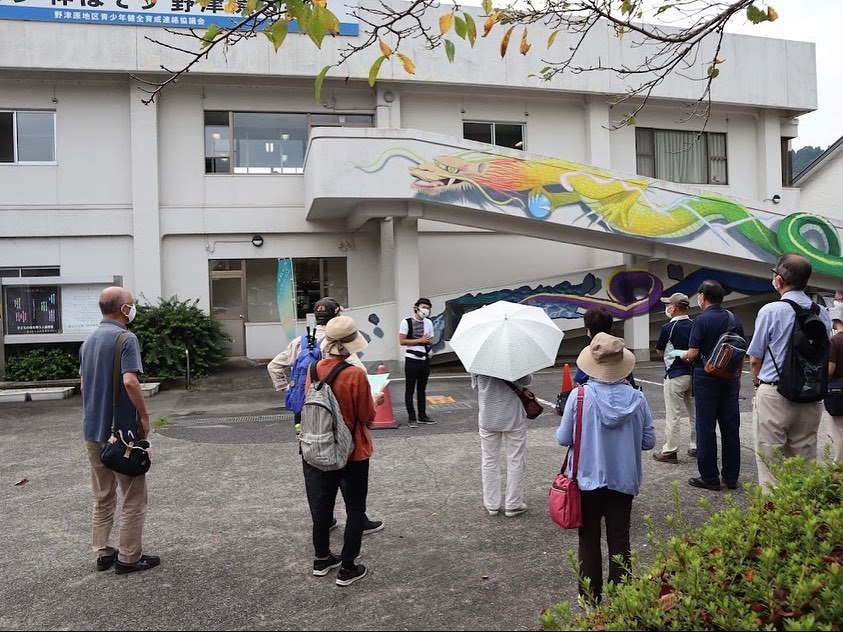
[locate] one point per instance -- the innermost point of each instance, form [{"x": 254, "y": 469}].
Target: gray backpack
[{"x": 325, "y": 441}]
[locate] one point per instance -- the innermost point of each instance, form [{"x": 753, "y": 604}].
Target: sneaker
[
  {"x": 321, "y": 567},
  {"x": 493, "y": 512},
  {"x": 665, "y": 457},
  {"x": 426, "y": 420},
  {"x": 510, "y": 513},
  {"x": 730, "y": 485},
  {"x": 699, "y": 482},
  {"x": 333, "y": 525},
  {"x": 144, "y": 563},
  {"x": 104, "y": 562},
  {"x": 412, "y": 423},
  {"x": 373, "y": 526},
  {"x": 347, "y": 576},
  {"x": 692, "y": 452}
]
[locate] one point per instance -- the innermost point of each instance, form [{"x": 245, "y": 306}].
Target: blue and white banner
[{"x": 160, "y": 13}]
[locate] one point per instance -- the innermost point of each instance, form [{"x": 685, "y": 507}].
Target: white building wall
[{"x": 823, "y": 192}]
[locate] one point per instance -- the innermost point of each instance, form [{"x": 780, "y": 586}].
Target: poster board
[
  {"x": 32, "y": 309},
  {"x": 80, "y": 312}
]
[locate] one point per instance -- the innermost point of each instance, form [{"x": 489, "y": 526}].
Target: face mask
[
  {"x": 775, "y": 287},
  {"x": 424, "y": 311},
  {"x": 132, "y": 313},
  {"x": 667, "y": 312}
]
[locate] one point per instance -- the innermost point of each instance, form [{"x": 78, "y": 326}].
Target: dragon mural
[{"x": 628, "y": 206}]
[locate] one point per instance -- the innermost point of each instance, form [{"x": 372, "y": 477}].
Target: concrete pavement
[{"x": 228, "y": 517}]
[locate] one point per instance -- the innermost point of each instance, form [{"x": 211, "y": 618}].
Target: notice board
[{"x": 32, "y": 309}]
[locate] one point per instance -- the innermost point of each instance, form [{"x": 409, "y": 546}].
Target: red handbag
[
  {"x": 528, "y": 401},
  {"x": 563, "y": 500}
]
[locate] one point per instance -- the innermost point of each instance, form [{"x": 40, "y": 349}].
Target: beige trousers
[
  {"x": 784, "y": 426},
  {"x": 132, "y": 511},
  {"x": 677, "y": 396},
  {"x": 516, "y": 462},
  {"x": 835, "y": 431}
]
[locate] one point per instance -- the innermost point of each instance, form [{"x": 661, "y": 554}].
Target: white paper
[{"x": 378, "y": 382}]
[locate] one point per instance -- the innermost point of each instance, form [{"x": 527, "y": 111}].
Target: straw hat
[
  {"x": 677, "y": 298},
  {"x": 606, "y": 359},
  {"x": 836, "y": 313},
  {"x": 342, "y": 337}
]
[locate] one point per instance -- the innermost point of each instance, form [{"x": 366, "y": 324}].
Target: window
[
  {"x": 317, "y": 278},
  {"x": 681, "y": 156},
  {"x": 28, "y": 272},
  {"x": 502, "y": 134},
  {"x": 787, "y": 164},
  {"x": 265, "y": 142},
  {"x": 27, "y": 137}
]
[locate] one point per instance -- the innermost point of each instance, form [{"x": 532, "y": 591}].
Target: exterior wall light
[{"x": 257, "y": 241}]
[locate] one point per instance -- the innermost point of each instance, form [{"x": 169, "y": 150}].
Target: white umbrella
[{"x": 506, "y": 340}]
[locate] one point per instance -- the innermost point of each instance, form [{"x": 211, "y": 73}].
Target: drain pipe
[{"x": 187, "y": 359}]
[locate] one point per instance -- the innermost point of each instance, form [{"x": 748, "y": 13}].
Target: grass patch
[{"x": 161, "y": 423}]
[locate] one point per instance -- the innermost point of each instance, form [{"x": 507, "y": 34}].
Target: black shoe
[
  {"x": 730, "y": 485},
  {"x": 665, "y": 457},
  {"x": 698, "y": 482},
  {"x": 412, "y": 423},
  {"x": 426, "y": 420},
  {"x": 144, "y": 563},
  {"x": 347, "y": 576},
  {"x": 692, "y": 452},
  {"x": 333, "y": 524},
  {"x": 372, "y": 526},
  {"x": 321, "y": 567},
  {"x": 104, "y": 562}
]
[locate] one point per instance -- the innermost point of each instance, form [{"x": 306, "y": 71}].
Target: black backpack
[{"x": 803, "y": 377}]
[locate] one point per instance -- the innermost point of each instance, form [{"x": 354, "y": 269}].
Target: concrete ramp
[{"x": 362, "y": 174}]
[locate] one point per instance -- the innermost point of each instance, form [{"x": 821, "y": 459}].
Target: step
[
  {"x": 14, "y": 395},
  {"x": 47, "y": 393},
  {"x": 150, "y": 388}
]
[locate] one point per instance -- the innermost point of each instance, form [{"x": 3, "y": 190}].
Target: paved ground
[{"x": 228, "y": 517}]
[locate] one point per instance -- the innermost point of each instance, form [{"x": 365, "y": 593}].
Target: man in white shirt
[{"x": 416, "y": 335}]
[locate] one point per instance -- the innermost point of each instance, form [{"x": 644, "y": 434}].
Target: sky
[{"x": 817, "y": 21}]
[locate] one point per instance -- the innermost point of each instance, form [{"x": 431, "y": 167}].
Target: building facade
[{"x": 212, "y": 192}]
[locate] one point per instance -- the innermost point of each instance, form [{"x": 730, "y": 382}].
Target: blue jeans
[{"x": 716, "y": 403}]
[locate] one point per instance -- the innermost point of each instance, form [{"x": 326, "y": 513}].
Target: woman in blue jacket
[{"x": 616, "y": 427}]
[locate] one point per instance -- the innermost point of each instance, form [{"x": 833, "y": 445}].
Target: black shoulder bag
[{"x": 123, "y": 452}]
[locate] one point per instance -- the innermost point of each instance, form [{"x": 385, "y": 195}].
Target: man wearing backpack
[
  {"x": 788, "y": 359},
  {"x": 675, "y": 334},
  {"x": 715, "y": 396},
  {"x": 350, "y": 388}
]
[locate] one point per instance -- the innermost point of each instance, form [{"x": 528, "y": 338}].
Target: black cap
[
  {"x": 426, "y": 301},
  {"x": 325, "y": 309}
]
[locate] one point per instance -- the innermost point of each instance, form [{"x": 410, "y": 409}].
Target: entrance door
[{"x": 228, "y": 304}]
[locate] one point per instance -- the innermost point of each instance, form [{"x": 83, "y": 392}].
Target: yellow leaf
[
  {"x": 505, "y": 40},
  {"x": 320, "y": 3},
  {"x": 409, "y": 66},
  {"x": 445, "y": 23},
  {"x": 386, "y": 51},
  {"x": 231, "y": 6},
  {"x": 525, "y": 47},
  {"x": 552, "y": 38},
  {"x": 491, "y": 21},
  {"x": 772, "y": 14}
]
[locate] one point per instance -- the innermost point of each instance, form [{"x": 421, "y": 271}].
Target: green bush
[
  {"x": 167, "y": 329},
  {"x": 776, "y": 565},
  {"x": 35, "y": 363}
]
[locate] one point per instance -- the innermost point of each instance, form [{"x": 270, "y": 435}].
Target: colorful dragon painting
[{"x": 623, "y": 205}]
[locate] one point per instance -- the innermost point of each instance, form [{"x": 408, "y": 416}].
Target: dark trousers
[
  {"x": 716, "y": 403},
  {"x": 416, "y": 373},
  {"x": 353, "y": 482},
  {"x": 616, "y": 508}
]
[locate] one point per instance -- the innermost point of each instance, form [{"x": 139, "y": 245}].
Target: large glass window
[
  {"x": 502, "y": 134},
  {"x": 317, "y": 278},
  {"x": 265, "y": 142},
  {"x": 27, "y": 137},
  {"x": 261, "y": 281},
  {"x": 682, "y": 156}
]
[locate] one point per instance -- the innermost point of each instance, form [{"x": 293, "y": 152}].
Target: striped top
[
  {"x": 420, "y": 328},
  {"x": 500, "y": 408}
]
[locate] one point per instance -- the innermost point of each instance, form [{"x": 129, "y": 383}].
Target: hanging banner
[
  {"x": 286, "y": 296},
  {"x": 161, "y": 13}
]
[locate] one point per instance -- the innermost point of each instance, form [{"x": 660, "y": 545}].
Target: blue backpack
[{"x": 309, "y": 352}]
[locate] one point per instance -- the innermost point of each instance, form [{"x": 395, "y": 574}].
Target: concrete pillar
[
  {"x": 598, "y": 141},
  {"x": 387, "y": 259},
  {"x": 388, "y": 108},
  {"x": 636, "y": 330},
  {"x": 406, "y": 268},
  {"x": 768, "y": 154},
  {"x": 146, "y": 222}
]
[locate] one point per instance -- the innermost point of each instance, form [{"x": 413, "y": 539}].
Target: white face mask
[
  {"x": 667, "y": 312},
  {"x": 424, "y": 312},
  {"x": 133, "y": 311},
  {"x": 775, "y": 287}
]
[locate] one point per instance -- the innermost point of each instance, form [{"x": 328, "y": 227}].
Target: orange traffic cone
[
  {"x": 384, "y": 416},
  {"x": 567, "y": 383}
]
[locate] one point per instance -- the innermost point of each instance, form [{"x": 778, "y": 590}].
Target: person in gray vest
[
  {"x": 416, "y": 335},
  {"x": 97, "y": 372}
]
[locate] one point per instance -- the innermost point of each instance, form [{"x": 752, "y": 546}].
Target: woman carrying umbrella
[{"x": 616, "y": 427}]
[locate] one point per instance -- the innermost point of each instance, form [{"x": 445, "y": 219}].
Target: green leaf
[
  {"x": 375, "y": 69},
  {"x": 316, "y": 25},
  {"x": 450, "y": 49},
  {"x": 470, "y": 28},
  {"x": 276, "y": 32},
  {"x": 487, "y": 6},
  {"x": 332, "y": 22},
  {"x": 755, "y": 15},
  {"x": 210, "y": 34},
  {"x": 713, "y": 72},
  {"x": 250, "y": 7},
  {"x": 319, "y": 79},
  {"x": 663, "y": 8},
  {"x": 631, "y": 120},
  {"x": 460, "y": 27}
]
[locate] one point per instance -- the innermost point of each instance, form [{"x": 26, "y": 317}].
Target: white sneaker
[
  {"x": 493, "y": 512},
  {"x": 510, "y": 513}
]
